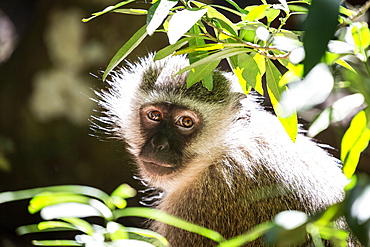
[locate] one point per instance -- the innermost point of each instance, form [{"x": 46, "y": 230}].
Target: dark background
[{"x": 46, "y": 57}]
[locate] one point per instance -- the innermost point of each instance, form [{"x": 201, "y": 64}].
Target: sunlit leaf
[
  {"x": 354, "y": 141},
  {"x": 320, "y": 26},
  {"x": 285, "y": 113},
  {"x": 181, "y": 22},
  {"x": 361, "y": 34},
  {"x": 271, "y": 14},
  {"x": 160, "y": 13},
  {"x": 169, "y": 219},
  {"x": 131, "y": 11},
  {"x": 250, "y": 72},
  {"x": 125, "y": 50},
  {"x": 256, "y": 12},
  {"x": 107, "y": 9}
]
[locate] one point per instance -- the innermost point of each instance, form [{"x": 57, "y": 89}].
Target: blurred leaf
[
  {"x": 122, "y": 192},
  {"x": 71, "y": 210},
  {"x": 35, "y": 229},
  {"x": 310, "y": 91},
  {"x": 107, "y": 9},
  {"x": 339, "y": 110},
  {"x": 149, "y": 236},
  {"x": 198, "y": 73},
  {"x": 168, "y": 219},
  {"x": 80, "y": 224},
  {"x": 289, "y": 121},
  {"x": 320, "y": 26},
  {"x": 181, "y": 22},
  {"x": 4, "y": 164},
  {"x": 160, "y": 13},
  {"x": 289, "y": 229},
  {"x": 357, "y": 209},
  {"x": 47, "y": 198},
  {"x": 125, "y": 50},
  {"x": 354, "y": 141},
  {"x": 55, "y": 224}
]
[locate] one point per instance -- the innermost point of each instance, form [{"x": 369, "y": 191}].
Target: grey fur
[{"x": 245, "y": 168}]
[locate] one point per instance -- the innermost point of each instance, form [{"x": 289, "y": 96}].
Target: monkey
[{"x": 219, "y": 159}]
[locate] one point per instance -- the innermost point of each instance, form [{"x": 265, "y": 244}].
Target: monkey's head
[{"x": 172, "y": 131}]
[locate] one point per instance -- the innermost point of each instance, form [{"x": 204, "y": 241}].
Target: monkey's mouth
[{"x": 158, "y": 168}]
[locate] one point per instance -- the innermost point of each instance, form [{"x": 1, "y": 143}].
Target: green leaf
[
  {"x": 160, "y": 13},
  {"x": 169, "y": 219},
  {"x": 213, "y": 13},
  {"x": 250, "y": 72},
  {"x": 181, "y": 22},
  {"x": 354, "y": 141},
  {"x": 107, "y": 9},
  {"x": 236, "y": 6},
  {"x": 251, "y": 235},
  {"x": 125, "y": 50},
  {"x": 55, "y": 243},
  {"x": 131, "y": 11},
  {"x": 228, "y": 52},
  {"x": 55, "y": 224},
  {"x": 320, "y": 26},
  {"x": 198, "y": 73},
  {"x": 168, "y": 50},
  {"x": 290, "y": 123},
  {"x": 72, "y": 189}
]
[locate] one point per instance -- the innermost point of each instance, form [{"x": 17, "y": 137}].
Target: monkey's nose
[{"x": 159, "y": 143}]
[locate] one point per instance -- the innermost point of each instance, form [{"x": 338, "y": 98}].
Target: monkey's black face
[{"x": 167, "y": 129}]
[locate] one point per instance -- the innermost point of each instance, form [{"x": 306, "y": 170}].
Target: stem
[{"x": 362, "y": 10}]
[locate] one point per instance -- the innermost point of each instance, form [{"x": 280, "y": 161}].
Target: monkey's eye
[
  {"x": 155, "y": 115},
  {"x": 185, "y": 122}
]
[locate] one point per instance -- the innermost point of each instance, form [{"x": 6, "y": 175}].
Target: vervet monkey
[{"x": 220, "y": 160}]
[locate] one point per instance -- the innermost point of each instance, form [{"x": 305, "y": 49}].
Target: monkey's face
[{"x": 167, "y": 128}]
